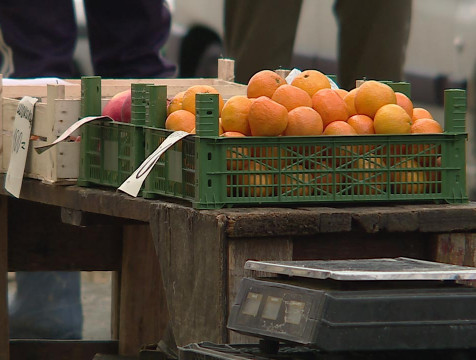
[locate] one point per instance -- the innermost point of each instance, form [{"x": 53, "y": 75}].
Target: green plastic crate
[
  {"x": 110, "y": 151},
  {"x": 213, "y": 172}
]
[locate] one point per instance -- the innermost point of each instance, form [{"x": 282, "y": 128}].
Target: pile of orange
[{"x": 308, "y": 106}]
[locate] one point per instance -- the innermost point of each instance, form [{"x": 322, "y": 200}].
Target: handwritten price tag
[
  {"x": 134, "y": 182},
  {"x": 20, "y": 142}
]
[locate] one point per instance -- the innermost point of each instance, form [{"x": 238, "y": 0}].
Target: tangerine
[
  {"x": 349, "y": 101},
  {"x": 234, "y": 115},
  {"x": 339, "y": 128},
  {"x": 188, "y": 101},
  {"x": 304, "y": 121},
  {"x": 264, "y": 83},
  {"x": 311, "y": 81},
  {"x": 176, "y": 103},
  {"x": 362, "y": 124},
  {"x": 405, "y": 102},
  {"x": 267, "y": 118},
  {"x": 330, "y": 106},
  {"x": 291, "y": 97},
  {"x": 392, "y": 119},
  {"x": 180, "y": 120},
  {"x": 371, "y": 96},
  {"x": 421, "y": 113}
]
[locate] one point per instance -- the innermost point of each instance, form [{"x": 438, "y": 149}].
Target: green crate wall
[
  {"x": 110, "y": 151},
  {"x": 212, "y": 171}
]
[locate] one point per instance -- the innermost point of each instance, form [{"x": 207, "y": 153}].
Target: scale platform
[{"x": 358, "y": 305}]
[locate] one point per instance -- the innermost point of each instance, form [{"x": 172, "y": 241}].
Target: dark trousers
[
  {"x": 373, "y": 35},
  {"x": 125, "y": 37}
]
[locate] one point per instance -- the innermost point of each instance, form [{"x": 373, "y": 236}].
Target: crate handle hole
[
  {"x": 209, "y": 112},
  {"x": 209, "y": 183},
  {"x": 209, "y": 156}
]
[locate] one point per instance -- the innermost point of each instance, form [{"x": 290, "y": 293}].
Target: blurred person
[
  {"x": 372, "y": 37},
  {"x": 37, "y": 39}
]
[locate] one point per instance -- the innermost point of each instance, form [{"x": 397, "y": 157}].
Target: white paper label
[
  {"x": 20, "y": 142},
  {"x": 69, "y": 131},
  {"x": 292, "y": 75},
  {"x": 134, "y": 182},
  {"x": 333, "y": 84}
]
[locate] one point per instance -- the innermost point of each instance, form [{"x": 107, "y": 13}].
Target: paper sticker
[
  {"x": 69, "y": 131},
  {"x": 134, "y": 182},
  {"x": 20, "y": 142},
  {"x": 292, "y": 75},
  {"x": 333, "y": 84}
]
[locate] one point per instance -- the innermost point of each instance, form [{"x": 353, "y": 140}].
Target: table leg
[{"x": 143, "y": 308}]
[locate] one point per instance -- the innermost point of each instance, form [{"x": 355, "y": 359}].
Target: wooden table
[{"x": 192, "y": 281}]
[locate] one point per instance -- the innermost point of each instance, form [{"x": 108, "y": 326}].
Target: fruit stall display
[{"x": 305, "y": 142}]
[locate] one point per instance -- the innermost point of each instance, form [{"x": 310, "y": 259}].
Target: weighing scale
[{"x": 313, "y": 309}]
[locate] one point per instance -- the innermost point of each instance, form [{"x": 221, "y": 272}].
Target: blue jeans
[{"x": 47, "y": 305}]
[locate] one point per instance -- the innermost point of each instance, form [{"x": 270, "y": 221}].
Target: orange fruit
[
  {"x": 234, "y": 115},
  {"x": 392, "y": 119},
  {"x": 342, "y": 92},
  {"x": 420, "y": 113},
  {"x": 235, "y": 155},
  {"x": 311, "y": 81},
  {"x": 407, "y": 177},
  {"x": 405, "y": 102},
  {"x": 180, "y": 120},
  {"x": 176, "y": 103},
  {"x": 426, "y": 126},
  {"x": 258, "y": 181},
  {"x": 291, "y": 97},
  {"x": 233, "y": 134},
  {"x": 330, "y": 106},
  {"x": 188, "y": 101},
  {"x": 267, "y": 118},
  {"x": 342, "y": 128},
  {"x": 295, "y": 181},
  {"x": 426, "y": 153},
  {"x": 303, "y": 121},
  {"x": 339, "y": 128},
  {"x": 349, "y": 101},
  {"x": 371, "y": 96},
  {"x": 362, "y": 124},
  {"x": 264, "y": 83},
  {"x": 370, "y": 174}
]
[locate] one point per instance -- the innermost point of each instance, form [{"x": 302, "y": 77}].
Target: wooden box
[{"x": 59, "y": 107}]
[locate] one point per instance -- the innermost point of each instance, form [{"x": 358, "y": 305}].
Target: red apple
[
  {"x": 113, "y": 107},
  {"x": 126, "y": 109}
]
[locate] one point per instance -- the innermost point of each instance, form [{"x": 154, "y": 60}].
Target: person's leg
[
  {"x": 37, "y": 39},
  {"x": 47, "y": 305},
  {"x": 373, "y": 37},
  {"x": 126, "y": 37},
  {"x": 260, "y": 34}
]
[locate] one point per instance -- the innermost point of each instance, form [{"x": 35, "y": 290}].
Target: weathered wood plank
[
  {"x": 143, "y": 306},
  {"x": 191, "y": 249},
  {"x": 38, "y": 240},
  {"x": 94, "y": 200},
  {"x": 4, "y": 334},
  {"x": 60, "y": 349},
  {"x": 241, "y": 250}
]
